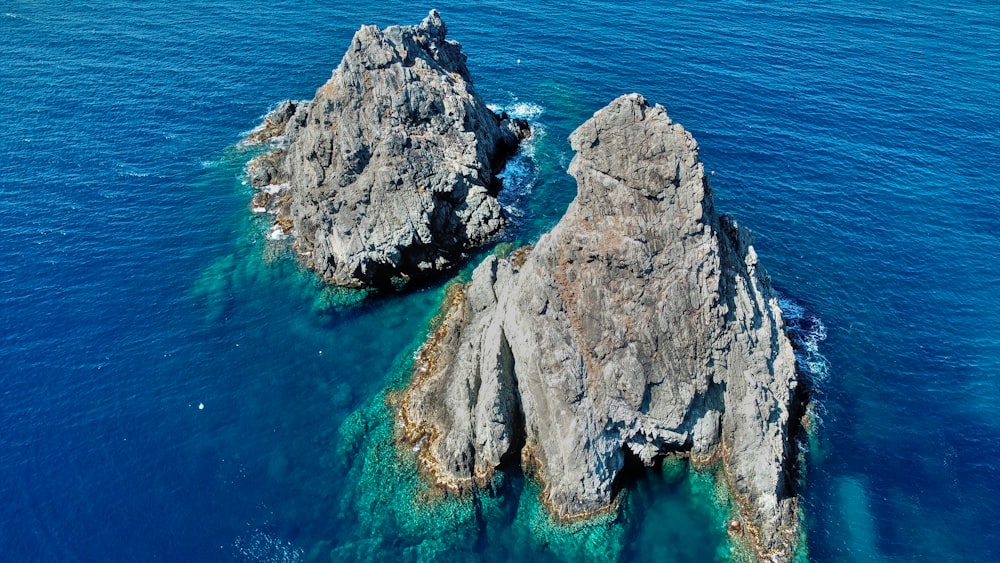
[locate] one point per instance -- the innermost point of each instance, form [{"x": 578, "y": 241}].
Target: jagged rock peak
[
  {"x": 640, "y": 325},
  {"x": 390, "y": 171}
]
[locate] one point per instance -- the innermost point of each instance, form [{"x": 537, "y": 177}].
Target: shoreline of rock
[
  {"x": 640, "y": 324},
  {"x": 391, "y": 169}
]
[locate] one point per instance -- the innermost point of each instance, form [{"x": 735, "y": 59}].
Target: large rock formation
[
  {"x": 641, "y": 322},
  {"x": 390, "y": 171}
]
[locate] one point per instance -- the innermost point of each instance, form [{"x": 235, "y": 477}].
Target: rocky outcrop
[
  {"x": 641, "y": 325},
  {"x": 391, "y": 170}
]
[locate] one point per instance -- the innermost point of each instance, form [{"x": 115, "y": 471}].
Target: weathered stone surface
[
  {"x": 275, "y": 122},
  {"x": 642, "y": 321},
  {"x": 391, "y": 168}
]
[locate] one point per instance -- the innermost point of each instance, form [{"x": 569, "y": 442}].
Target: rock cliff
[
  {"x": 641, "y": 325},
  {"x": 390, "y": 171}
]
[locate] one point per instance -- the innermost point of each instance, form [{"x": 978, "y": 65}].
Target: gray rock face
[
  {"x": 641, "y": 322},
  {"x": 390, "y": 171}
]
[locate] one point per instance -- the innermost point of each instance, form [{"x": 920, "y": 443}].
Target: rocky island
[
  {"x": 390, "y": 171},
  {"x": 641, "y": 326}
]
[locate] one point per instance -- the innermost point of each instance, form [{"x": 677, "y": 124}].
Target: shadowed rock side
[
  {"x": 641, "y": 321},
  {"x": 390, "y": 171}
]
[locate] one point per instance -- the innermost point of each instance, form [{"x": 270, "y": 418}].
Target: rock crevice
[{"x": 641, "y": 321}]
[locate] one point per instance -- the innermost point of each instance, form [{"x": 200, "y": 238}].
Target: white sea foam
[
  {"x": 259, "y": 546},
  {"x": 807, "y": 332},
  {"x": 528, "y": 111},
  {"x": 272, "y": 142},
  {"x": 513, "y": 211},
  {"x": 815, "y": 362},
  {"x": 275, "y": 189},
  {"x": 276, "y": 233},
  {"x": 244, "y": 135},
  {"x": 791, "y": 309},
  {"x": 520, "y": 175},
  {"x": 279, "y": 140},
  {"x": 126, "y": 171},
  {"x": 521, "y": 110},
  {"x": 519, "y": 179},
  {"x": 528, "y": 146}
]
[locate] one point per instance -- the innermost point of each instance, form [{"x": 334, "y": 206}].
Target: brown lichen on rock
[{"x": 642, "y": 322}]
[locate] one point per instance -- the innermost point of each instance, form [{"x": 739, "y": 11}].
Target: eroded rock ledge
[
  {"x": 642, "y": 321},
  {"x": 391, "y": 170}
]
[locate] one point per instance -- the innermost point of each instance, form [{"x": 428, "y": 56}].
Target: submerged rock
[
  {"x": 391, "y": 169},
  {"x": 640, "y": 325}
]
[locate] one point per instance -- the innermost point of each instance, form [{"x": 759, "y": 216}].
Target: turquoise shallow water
[{"x": 860, "y": 141}]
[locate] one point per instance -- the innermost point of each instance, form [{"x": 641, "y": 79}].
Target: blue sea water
[{"x": 173, "y": 387}]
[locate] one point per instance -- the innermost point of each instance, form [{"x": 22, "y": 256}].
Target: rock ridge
[
  {"x": 390, "y": 171},
  {"x": 641, "y": 323}
]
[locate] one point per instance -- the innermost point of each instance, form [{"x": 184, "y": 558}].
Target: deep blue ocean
[{"x": 174, "y": 388}]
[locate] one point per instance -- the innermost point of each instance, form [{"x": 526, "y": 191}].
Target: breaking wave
[
  {"x": 806, "y": 331},
  {"x": 520, "y": 174}
]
